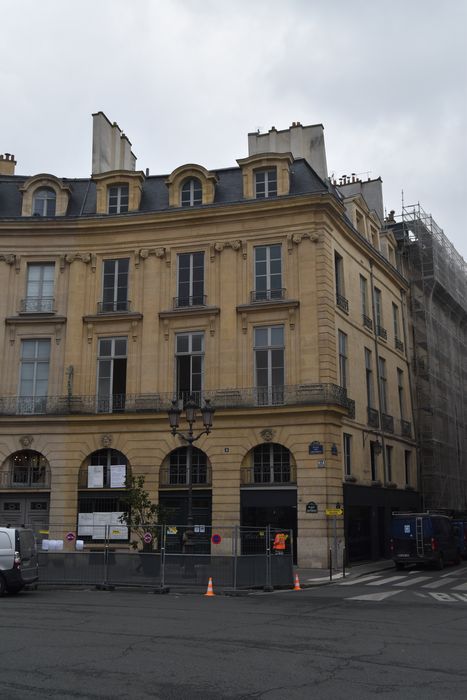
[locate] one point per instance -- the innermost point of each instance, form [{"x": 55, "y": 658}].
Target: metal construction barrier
[{"x": 236, "y": 558}]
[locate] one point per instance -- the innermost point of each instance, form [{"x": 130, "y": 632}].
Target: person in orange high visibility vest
[{"x": 279, "y": 543}]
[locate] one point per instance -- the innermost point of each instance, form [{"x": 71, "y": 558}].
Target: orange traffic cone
[
  {"x": 297, "y": 584},
  {"x": 210, "y": 591}
]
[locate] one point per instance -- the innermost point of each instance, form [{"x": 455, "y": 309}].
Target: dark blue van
[
  {"x": 423, "y": 538},
  {"x": 460, "y": 531}
]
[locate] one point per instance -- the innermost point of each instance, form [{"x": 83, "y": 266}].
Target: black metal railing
[
  {"x": 25, "y": 478},
  {"x": 399, "y": 345},
  {"x": 373, "y": 417},
  {"x": 367, "y": 322},
  {"x": 342, "y": 303},
  {"x": 268, "y": 475},
  {"x": 381, "y": 332},
  {"x": 405, "y": 428},
  {"x": 387, "y": 422},
  {"x": 196, "y": 300},
  {"x": 177, "y": 478},
  {"x": 252, "y": 397},
  {"x": 37, "y": 305},
  {"x": 267, "y": 295},
  {"x": 112, "y": 307}
]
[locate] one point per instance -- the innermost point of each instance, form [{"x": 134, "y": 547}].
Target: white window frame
[
  {"x": 195, "y": 191},
  {"x": 191, "y": 296},
  {"x": 42, "y": 301},
  {"x": 269, "y": 394},
  {"x": 104, "y": 396},
  {"x": 270, "y": 183},
  {"x": 122, "y": 193},
  {"x": 269, "y": 292},
  {"x": 34, "y": 403}
]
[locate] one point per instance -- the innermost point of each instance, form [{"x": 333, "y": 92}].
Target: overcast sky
[{"x": 187, "y": 80}]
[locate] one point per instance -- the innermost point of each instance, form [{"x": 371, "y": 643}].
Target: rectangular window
[
  {"x": 339, "y": 274},
  {"x": 369, "y": 379},
  {"x": 347, "y": 449},
  {"x": 389, "y": 463},
  {"x": 266, "y": 183},
  {"x": 115, "y": 285},
  {"x": 400, "y": 390},
  {"x": 269, "y": 365},
  {"x": 364, "y": 297},
  {"x": 268, "y": 272},
  {"x": 189, "y": 348},
  {"x": 375, "y": 449},
  {"x": 118, "y": 199},
  {"x": 383, "y": 391},
  {"x": 34, "y": 375},
  {"x": 378, "y": 311},
  {"x": 343, "y": 359},
  {"x": 407, "y": 464},
  {"x": 395, "y": 319},
  {"x": 111, "y": 374},
  {"x": 39, "y": 288},
  {"x": 190, "y": 283}
]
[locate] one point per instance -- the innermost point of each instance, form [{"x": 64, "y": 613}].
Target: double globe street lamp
[{"x": 191, "y": 415}]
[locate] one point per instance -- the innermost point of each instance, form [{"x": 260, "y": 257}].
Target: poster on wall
[
  {"x": 95, "y": 476},
  {"x": 117, "y": 476},
  {"x": 117, "y": 531},
  {"x": 101, "y": 525},
  {"x": 85, "y": 524}
]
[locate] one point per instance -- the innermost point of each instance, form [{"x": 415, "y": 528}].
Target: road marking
[
  {"x": 462, "y": 587},
  {"x": 386, "y": 580},
  {"x": 413, "y": 581},
  {"x": 362, "y": 579},
  {"x": 375, "y": 597},
  {"x": 436, "y": 584}
]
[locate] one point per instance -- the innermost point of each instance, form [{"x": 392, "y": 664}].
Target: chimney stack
[{"x": 7, "y": 164}]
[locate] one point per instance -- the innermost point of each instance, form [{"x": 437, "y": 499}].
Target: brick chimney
[{"x": 7, "y": 164}]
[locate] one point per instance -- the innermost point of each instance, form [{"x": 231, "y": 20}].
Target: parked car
[
  {"x": 460, "y": 530},
  {"x": 423, "y": 538},
  {"x": 18, "y": 559}
]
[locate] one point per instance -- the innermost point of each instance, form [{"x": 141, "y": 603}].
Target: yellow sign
[
  {"x": 171, "y": 530},
  {"x": 334, "y": 511}
]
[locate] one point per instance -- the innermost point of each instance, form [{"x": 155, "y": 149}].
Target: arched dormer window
[
  {"x": 44, "y": 202},
  {"x": 191, "y": 192}
]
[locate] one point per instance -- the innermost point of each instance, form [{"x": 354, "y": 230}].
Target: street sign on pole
[{"x": 334, "y": 511}]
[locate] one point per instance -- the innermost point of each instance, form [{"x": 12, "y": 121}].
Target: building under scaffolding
[{"x": 438, "y": 302}]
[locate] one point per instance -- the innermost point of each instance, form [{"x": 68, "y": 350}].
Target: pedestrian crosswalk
[{"x": 425, "y": 583}]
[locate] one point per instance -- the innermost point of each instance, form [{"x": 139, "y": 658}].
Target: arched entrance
[
  {"x": 25, "y": 491},
  {"x": 269, "y": 489}
]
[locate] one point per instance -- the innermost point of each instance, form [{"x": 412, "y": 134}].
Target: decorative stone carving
[
  {"x": 86, "y": 258},
  {"x": 106, "y": 440},
  {"x": 9, "y": 258},
  {"x": 268, "y": 434},
  {"x": 219, "y": 246},
  {"x": 26, "y": 440},
  {"x": 144, "y": 253},
  {"x": 297, "y": 238}
]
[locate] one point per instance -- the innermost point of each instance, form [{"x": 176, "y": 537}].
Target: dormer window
[
  {"x": 191, "y": 192},
  {"x": 118, "y": 199},
  {"x": 266, "y": 183},
  {"x": 44, "y": 202}
]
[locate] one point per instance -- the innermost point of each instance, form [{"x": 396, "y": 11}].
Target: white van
[{"x": 18, "y": 559}]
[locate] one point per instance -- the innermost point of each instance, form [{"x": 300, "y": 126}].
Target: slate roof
[{"x": 155, "y": 194}]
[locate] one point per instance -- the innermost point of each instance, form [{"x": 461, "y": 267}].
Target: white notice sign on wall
[
  {"x": 117, "y": 476},
  {"x": 95, "y": 476}
]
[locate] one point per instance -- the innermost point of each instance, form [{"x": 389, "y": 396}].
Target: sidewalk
[{"x": 320, "y": 577}]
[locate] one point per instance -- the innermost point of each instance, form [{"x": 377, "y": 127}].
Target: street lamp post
[{"x": 189, "y": 437}]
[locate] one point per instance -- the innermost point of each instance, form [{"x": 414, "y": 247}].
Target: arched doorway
[
  {"x": 269, "y": 489},
  {"x": 25, "y": 491},
  {"x": 174, "y": 494},
  {"x": 102, "y": 485}
]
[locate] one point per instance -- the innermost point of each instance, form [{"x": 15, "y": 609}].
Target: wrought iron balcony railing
[
  {"x": 373, "y": 417},
  {"x": 268, "y": 475},
  {"x": 184, "y": 302},
  {"x": 405, "y": 428},
  {"x": 267, "y": 295},
  {"x": 342, "y": 303},
  {"x": 381, "y": 332},
  {"x": 37, "y": 305},
  {"x": 112, "y": 307},
  {"x": 367, "y": 322},
  {"x": 229, "y": 398},
  {"x": 177, "y": 478},
  {"x": 387, "y": 423},
  {"x": 399, "y": 345}
]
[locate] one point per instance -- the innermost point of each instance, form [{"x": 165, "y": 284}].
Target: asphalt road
[{"x": 346, "y": 640}]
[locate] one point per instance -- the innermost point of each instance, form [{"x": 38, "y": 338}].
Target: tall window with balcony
[
  {"x": 389, "y": 450},
  {"x": 343, "y": 360},
  {"x": 269, "y": 365},
  {"x": 373, "y": 414},
  {"x": 266, "y": 183},
  {"x": 380, "y": 330},
  {"x": 190, "y": 365},
  {"x": 271, "y": 464},
  {"x": 367, "y": 322},
  {"x": 268, "y": 273},
  {"x": 34, "y": 375},
  {"x": 39, "y": 289},
  {"x": 387, "y": 421},
  {"x": 178, "y": 468},
  {"x": 44, "y": 202},
  {"x": 341, "y": 301},
  {"x": 115, "y": 286},
  {"x": 347, "y": 451},
  {"x": 191, "y": 192},
  {"x": 396, "y": 325},
  {"x": 118, "y": 196},
  {"x": 190, "y": 282},
  {"x": 111, "y": 375}
]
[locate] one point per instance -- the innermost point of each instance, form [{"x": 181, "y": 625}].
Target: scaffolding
[{"x": 438, "y": 303}]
